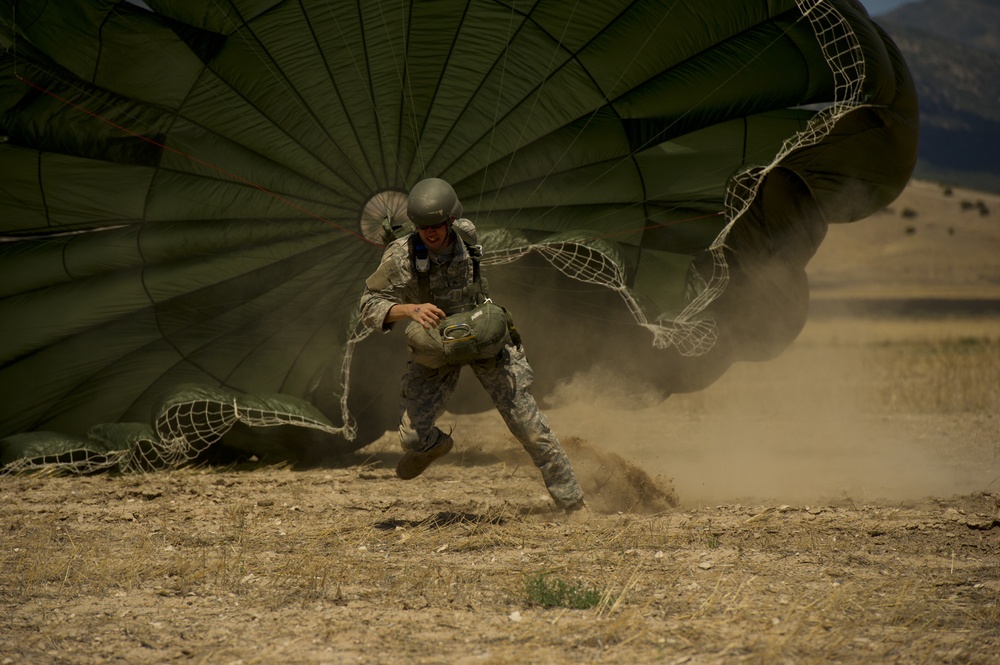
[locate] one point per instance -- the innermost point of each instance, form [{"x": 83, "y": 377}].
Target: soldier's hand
[{"x": 427, "y": 314}]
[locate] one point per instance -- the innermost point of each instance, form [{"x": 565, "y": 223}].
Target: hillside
[
  {"x": 934, "y": 241},
  {"x": 951, "y": 48}
]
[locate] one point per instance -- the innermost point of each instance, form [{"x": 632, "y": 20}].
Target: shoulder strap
[
  {"x": 476, "y": 254},
  {"x": 421, "y": 262}
]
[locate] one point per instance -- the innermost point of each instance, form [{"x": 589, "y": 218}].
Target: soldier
[{"x": 425, "y": 277}]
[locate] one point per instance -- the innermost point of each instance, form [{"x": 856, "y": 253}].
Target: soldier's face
[{"x": 437, "y": 237}]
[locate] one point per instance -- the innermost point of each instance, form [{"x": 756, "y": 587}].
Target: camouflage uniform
[{"x": 426, "y": 392}]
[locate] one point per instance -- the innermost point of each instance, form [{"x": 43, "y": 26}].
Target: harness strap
[{"x": 421, "y": 262}]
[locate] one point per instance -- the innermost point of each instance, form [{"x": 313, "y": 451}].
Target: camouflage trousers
[{"x": 426, "y": 392}]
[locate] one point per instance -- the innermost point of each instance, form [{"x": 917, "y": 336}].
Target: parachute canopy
[{"x": 193, "y": 193}]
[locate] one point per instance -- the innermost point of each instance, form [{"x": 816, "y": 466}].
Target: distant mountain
[{"x": 952, "y": 48}]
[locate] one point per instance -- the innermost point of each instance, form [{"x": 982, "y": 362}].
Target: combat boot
[
  {"x": 412, "y": 464},
  {"x": 578, "y": 513}
]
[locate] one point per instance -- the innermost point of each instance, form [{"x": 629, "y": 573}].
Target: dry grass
[
  {"x": 942, "y": 376},
  {"x": 348, "y": 565}
]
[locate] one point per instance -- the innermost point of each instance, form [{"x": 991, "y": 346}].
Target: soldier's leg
[
  {"x": 424, "y": 395},
  {"x": 508, "y": 381}
]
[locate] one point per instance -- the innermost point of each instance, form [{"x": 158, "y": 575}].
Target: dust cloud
[
  {"x": 812, "y": 424},
  {"x": 804, "y": 427}
]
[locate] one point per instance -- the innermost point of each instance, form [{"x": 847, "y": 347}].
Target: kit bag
[{"x": 478, "y": 334}]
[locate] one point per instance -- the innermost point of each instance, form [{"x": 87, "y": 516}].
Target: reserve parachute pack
[{"x": 479, "y": 332}]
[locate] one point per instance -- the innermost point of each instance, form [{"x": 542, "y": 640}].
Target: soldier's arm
[
  {"x": 426, "y": 314},
  {"x": 379, "y": 297},
  {"x": 390, "y": 292}
]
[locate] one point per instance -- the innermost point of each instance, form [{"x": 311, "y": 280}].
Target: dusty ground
[
  {"x": 838, "y": 504},
  {"x": 352, "y": 566}
]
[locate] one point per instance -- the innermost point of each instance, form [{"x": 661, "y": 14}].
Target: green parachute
[{"x": 192, "y": 194}]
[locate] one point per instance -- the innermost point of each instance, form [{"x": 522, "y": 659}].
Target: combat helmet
[{"x": 431, "y": 202}]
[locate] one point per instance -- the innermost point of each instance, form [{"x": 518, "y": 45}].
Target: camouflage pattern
[
  {"x": 426, "y": 392},
  {"x": 507, "y": 380},
  {"x": 394, "y": 282}
]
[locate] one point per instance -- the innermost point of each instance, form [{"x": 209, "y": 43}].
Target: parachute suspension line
[
  {"x": 434, "y": 95},
  {"x": 185, "y": 427},
  {"x": 252, "y": 43},
  {"x": 591, "y": 264},
  {"x": 366, "y": 81},
  {"x": 401, "y": 76},
  {"x": 360, "y": 332},
  {"x": 407, "y": 91},
  {"x": 690, "y": 332},
  {"x": 653, "y": 139},
  {"x": 13, "y": 36},
  {"x": 218, "y": 169},
  {"x": 843, "y": 54},
  {"x": 496, "y": 114},
  {"x": 606, "y": 99},
  {"x": 588, "y": 264},
  {"x": 531, "y": 110}
]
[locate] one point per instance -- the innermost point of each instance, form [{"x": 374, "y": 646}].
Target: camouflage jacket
[{"x": 395, "y": 281}]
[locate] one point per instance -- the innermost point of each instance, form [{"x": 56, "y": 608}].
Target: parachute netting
[
  {"x": 188, "y": 423},
  {"x": 844, "y": 55}
]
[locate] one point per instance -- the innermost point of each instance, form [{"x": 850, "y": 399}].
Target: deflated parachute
[{"x": 191, "y": 194}]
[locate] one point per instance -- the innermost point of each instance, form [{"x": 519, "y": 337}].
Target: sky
[{"x": 876, "y": 7}]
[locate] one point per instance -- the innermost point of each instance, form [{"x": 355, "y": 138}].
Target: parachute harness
[{"x": 420, "y": 261}]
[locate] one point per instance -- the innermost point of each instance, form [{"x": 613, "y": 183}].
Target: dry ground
[
  {"x": 838, "y": 504},
  {"x": 352, "y": 566}
]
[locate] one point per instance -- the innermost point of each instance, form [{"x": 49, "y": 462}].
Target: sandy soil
[{"x": 838, "y": 504}]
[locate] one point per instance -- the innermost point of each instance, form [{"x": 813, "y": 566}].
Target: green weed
[{"x": 557, "y": 593}]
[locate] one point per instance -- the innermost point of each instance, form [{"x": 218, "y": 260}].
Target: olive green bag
[{"x": 478, "y": 334}]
